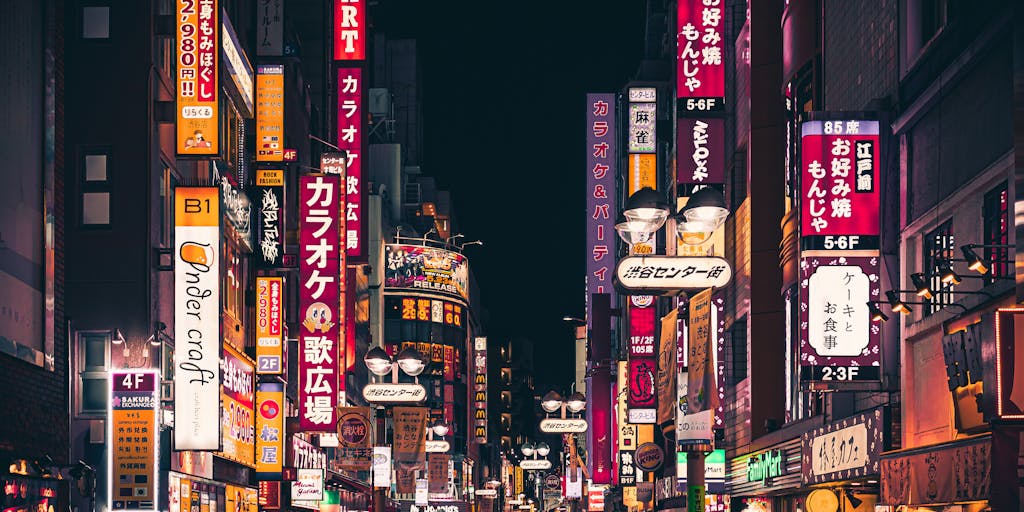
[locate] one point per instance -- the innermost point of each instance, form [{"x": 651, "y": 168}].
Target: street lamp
[
  {"x": 378, "y": 361},
  {"x": 411, "y": 361},
  {"x": 551, "y": 402},
  {"x": 527, "y": 448},
  {"x": 645, "y": 212},
  {"x": 576, "y": 402}
]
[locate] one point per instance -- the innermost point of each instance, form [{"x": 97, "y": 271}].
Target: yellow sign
[
  {"x": 269, "y": 325},
  {"x": 269, "y": 178},
  {"x": 642, "y": 171},
  {"x": 270, "y": 113},
  {"x": 198, "y": 86},
  {"x": 240, "y": 499}
]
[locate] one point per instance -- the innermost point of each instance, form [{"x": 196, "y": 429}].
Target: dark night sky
[{"x": 504, "y": 87}]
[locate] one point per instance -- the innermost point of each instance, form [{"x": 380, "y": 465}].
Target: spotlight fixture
[
  {"x": 853, "y": 499},
  {"x": 921, "y": 284},
  {"x": 974, "y": 262},
  {"x": 876, "y": 314},
  {"x": 897, "y": 304},
  {"x": 947, "y": 274}
]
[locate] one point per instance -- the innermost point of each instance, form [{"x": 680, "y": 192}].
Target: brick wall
[{"x": 860, "y": 52}]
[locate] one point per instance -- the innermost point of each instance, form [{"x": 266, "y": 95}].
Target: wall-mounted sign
[
  {"x": 658, "y": 275},
  {"x": 700, "y": 147},
  {"x": 269, "y": 28},
  {"x": 642, "y": 416},
  {"x": 957, "y": 471},
  {"x": 649, "y": 457},
  {"x": 349, "y": 29},
  {"x": 627, "y": 467},
  {"x": 422, "y": 309},
  {"x": 1009, "y": 389},
  {"x": 643, "y": 118},
  {"x": 427, "y": 269},
  {"x": 134, "y": 440},
  {"x": 838, "y": 340},
  {"x": 198, "y": 81},
  {"x": 480, "y": 389},
  {"x": 270, "y": 113},
  {"x": 438, "y": 446},
  {"x": 560, "y": 426},
  {"x": 270, "y": 208},
  {"x": 197, "y": 318},
  {"x": 601, "y": 172},
  {"x": 350, "y": 139},
  {"x": 643, "y": 94},
  {"x": 355, "y": 434},
  {"x": 764, "y": 466},
  {"x": 534, "y": 464},
  {"x": 700, "y": 58},
  {"x": 269, "y": 325},
  {"x": 308, "y": 485},
  {"x": 848, "y": 448},
  {"x": 320, "y": 283},
  {"x": 238, "y": 399},
  {"x": 268, "y": 494},
  {"x": 269, "y": 429},
  {"x": 236, "y": 63}
]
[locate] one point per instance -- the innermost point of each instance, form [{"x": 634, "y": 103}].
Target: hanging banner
[
  {"x": 838, "y": 341},
  {"x": 355, "y": 437},
  {"x": 382, "y": 466},
  {"x": 198, "y": 80},
  {"x": 700, "y": 64},
  {"x": 270, "y": 113},
  {"x": 269, "y": 430},
  {"x": 410, "y": 436},
  {"x": 319, "y": 301},
  {"x": 350, "y": 139},
  {"x": 600, "y": 220},
  {"x": 269, "y": 325},
  {"x": 437, "y": 473},
  {"x": 238, "y": 400},
  {"x": 667, "y": 370},
  {"x": 270, "y": 198},
  {"x": 349, "y": 29},
  {"x": 197, "y": 318},
  {"x": 135, "y": 440},
  {"x": 699, "y": 362}
]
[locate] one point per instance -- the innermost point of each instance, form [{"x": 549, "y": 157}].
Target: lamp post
[
  {"x": 536, "y": 462},
  {"x": 645, "y": 212}
]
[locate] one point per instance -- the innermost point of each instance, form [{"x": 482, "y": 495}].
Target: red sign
[
  {"x": 269, "y": 495},
  {"x": 291, "y": 155},
  {"x": 349, "y": 29},
  {"x": 350, "y": 138},
  {"x": 643, "y": 365},
  {"x": 319, "y": 301},
  {"x": 839, "y": 161},
  {"x": 700, "y": 62},
  {"x": 641, "y": 330}
]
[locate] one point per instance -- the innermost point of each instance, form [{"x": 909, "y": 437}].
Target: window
[
  {"x": 938, "y": 251},
  {"x": 93, "y": 360},
  {"x": 95, "y": 22},
  {"x": 95, "y": 188},
  {"x": 997, "y": 232}
]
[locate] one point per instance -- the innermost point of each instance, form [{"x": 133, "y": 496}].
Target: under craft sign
[{"x": 669, "y": 274}]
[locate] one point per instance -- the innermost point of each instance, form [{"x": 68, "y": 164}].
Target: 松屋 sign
[
  {"x": 197, "y": 318},
  {"x": 269, "y": 329},
  {"x": 668, "y": 274}
]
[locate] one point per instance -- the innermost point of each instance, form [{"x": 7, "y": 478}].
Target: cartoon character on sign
[
  {"x": 642, "y": 389},
  {"x": 318, "y": 318}
]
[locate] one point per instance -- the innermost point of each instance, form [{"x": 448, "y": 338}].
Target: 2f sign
[{"x": 349, "y": 29}]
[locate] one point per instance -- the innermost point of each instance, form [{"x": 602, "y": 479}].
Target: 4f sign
[{"x": 349, "y": 29}]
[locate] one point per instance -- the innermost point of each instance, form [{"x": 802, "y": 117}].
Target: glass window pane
[
  {"x": 96, "y": 208},
  {"x": 95, "y": 167},
  {"x": 95, "y": 352},
  {"x": 96, "y": 22},
  {"x": 94, "y": 394}
]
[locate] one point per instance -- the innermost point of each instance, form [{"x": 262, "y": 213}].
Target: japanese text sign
[
  {"x": 839, "y": 161},
  {"x": 642, "y": 121},
  {"x": 198, "y": 86},
  {"x": 269, "y": 327},
  {"x": 308, "y": 485},
  {"x": 700, "y": 151},
  {"x": 238, "y": 399},
  {"x": 838, "y": 340},
  {"x": 355, "y": 435},
  {"x": 270, "y": 113},
  {"x": 642, "y": 361},
  {"x": 669, "y": 274},
  {"x": 849, "y": 448},
  {"x": 667, "y": 402},
  {"x": 269, "y": 28},
  {"x": 700, "y": 370},
  {"x": 601, "y": 172},
  {"x": 627, "y": 467},
  {"x": 269, "y": 429},
  {"x": 319, "y": 301},
  {"x": 700, "y": 65},
  {"x": 236, "y": 65},
  {"x": 410, "y": 434},
  {"x": 349, "y": 29},
  {"x": 134, "y": 436},
  {"x": 426, "y": 269},
  {"x": 350, "y": 138},
  {"x": 197, "y": 323},
  {"x": 270, "y": 198}
]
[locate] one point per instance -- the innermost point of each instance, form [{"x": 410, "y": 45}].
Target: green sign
[
  {"x": 695, "y": 498},
  {"x": 765, "y": 466}
]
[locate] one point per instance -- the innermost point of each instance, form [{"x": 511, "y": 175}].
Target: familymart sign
[{"x": 765, "y": 466}]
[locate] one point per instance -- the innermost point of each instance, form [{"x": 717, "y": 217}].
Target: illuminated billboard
[
  {"x": 700, "y": 57},
  {"x": 350, "y": 139},
  {"x": 600, "y": 218},
  {"x": 269, "y": 325},
  {"x": 135, "y": 440},
  {"x": 270, "y": 113},
  {"x": 426, "y": 268},
  {"x": 238, "y": 430},
  {"x": 349, "y": 29},
  {"x": 197, "y": 79}
]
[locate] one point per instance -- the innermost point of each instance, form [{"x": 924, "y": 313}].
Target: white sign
[
  {"x": 574, "y": 486},
  {"x": 642, "y": 118},
  {"x": 237, "y": 64},
  {"x": 840, "y": 450},
  {"x": 197, "y": 319},
  {"x": 394, "y": 393},
  {"x": 643, "y": 416},
  {"x": 669, "y": 274},
  {"x": 532, "y": 464},
  {"x": 437, "y": 446},
  {"x": 839, "y": 291},
  {"x": 382, "y": 466},
  {"x": 643, "y": 94},
  {"x": 560, "y": 426},
  {"x": 695, "y": 428},
  {"x": 422, "y": 493},
  {"x": 487, "y": 493},
  {"x": 308, "y": 485}
]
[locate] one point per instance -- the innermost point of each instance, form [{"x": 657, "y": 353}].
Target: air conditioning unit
[{"x": 380, "y": 102}]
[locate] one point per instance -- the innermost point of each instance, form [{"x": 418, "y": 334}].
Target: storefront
[
  {"x": 22, "y": 493},
  {"x": 768, "y": 480},
  {"x": 932, "y": 477},
  {"x": 842, "y": 459}
]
